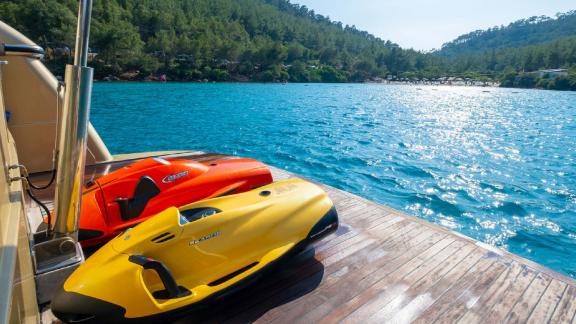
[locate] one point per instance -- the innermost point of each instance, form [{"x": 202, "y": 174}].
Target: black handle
[{"x": 172, "y": 288}]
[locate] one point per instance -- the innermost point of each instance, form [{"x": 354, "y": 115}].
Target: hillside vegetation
[
  {"x": 513, "y": 52},
  {"x": 516, "y": 66},
  {"x": 276, "y": 41},
  {"x": 261, "y": 40},
  {"x": 521, "y": 33}
]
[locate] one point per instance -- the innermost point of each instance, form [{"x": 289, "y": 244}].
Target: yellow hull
[{"x": 180, "y": 258}]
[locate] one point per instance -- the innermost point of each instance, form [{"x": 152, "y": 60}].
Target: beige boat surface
[
  {"x": 30, "y": 97},
  {"x": 17, "y": 288}
]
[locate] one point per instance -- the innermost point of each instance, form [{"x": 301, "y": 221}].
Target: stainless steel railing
[{"x": 32, "y": 51}]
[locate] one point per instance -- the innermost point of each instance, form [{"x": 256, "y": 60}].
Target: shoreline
[{"x": 312, "y": 83}]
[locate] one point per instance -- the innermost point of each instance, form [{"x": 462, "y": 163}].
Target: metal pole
[
  {"x": 73, "y": 131},
  {"x": 83, "y": 33}
]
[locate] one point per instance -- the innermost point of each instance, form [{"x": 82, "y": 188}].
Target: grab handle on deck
[{"x": 32, "y": 51}]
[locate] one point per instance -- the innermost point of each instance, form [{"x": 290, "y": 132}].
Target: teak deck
[{"x": 385, "y": 266}]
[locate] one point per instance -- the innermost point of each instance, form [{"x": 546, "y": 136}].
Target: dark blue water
[{"x": 499, "y": 166}]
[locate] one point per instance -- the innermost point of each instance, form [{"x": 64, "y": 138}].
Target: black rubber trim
[
  {"x": 232, "y": 275},
  {"x": 327, "y": 225},
  {"x": 170, "y": 285},
  {"x": 65, "y": 306},
  {"x": 85, "y": 234}
]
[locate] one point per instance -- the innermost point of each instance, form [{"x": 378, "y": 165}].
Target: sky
[{"x": 427, "y": 24}]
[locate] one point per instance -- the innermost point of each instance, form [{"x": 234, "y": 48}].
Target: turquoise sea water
[{"x": 498, "y": 165}]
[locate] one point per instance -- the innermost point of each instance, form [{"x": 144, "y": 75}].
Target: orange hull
[{"x": 132, "y": 194}]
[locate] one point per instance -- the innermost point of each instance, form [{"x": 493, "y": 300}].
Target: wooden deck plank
[
  {"x": 347, "y": 266},
  {"x": 509, "y": 299},
  {"x": 477, "y": 310},
  {"x": 565, "y": 311},
  {"x": 432, "y": 289},
  {"x": 356, "y": 306},
  {"x": 548, "y": 303},
  {"x": 337, "y": 314},
  {"x": 380, "y": 296},
  {"x": 384, "y": 266},
  {"x": 329, "y": 269},
  {"x": 471, "y": 295},
  {"x": 369, "y": 260},
  {"x": 524, "y": 306},
  {"x": 395, "y": 234},
  {"x": 387, "y": 229},
  {"x": 426, "y": 309},
  {"x": 332, "y": 296},
  {"x": 350, "y": 233}
]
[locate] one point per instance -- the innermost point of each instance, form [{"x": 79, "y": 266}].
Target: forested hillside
[
  {"x": 276, "y": 41},
  {"x": 513, "y": 53},
  {"x": 262, "y": 40},
  {"x": 521, "y": 33},
  {"x": 553, "y": 54}
]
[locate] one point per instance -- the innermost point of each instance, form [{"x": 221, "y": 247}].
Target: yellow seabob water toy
[{"x": 182, "y": 258}]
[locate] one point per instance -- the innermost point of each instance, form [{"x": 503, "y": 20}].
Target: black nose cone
[
  {"x": 71, "y": 307},
  {"x": 327, "y": 225}
]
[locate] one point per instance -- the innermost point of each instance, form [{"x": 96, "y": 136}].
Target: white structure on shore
[{"x": 551, "y": 73}]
